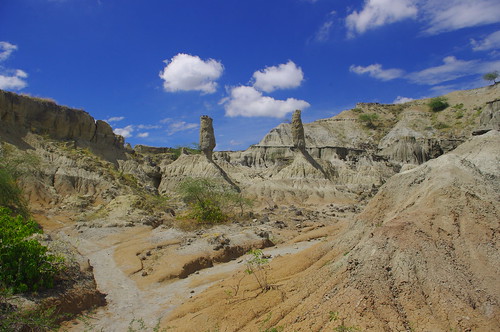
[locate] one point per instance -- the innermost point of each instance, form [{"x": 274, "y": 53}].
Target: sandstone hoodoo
[
  {"x": 207, "y": 137},
  {"x": 391, "y": 212},
  {"x": 298, "y": 138}
]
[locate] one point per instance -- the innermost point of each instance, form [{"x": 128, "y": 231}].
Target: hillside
[
  {"x": 382, "y": 218},
  {"x": 427, "y": 261}
]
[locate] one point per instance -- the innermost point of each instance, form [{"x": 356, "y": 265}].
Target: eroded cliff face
[
  {"x": 21, "y": 114},
  {"x": 328, "y": 159}
]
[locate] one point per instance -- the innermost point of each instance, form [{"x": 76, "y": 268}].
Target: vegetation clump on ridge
[{"x": 438, "y": 104}]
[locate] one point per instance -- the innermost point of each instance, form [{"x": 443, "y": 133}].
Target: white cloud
[
  {"x": 442, "y": 16},
  {"x": 402, "y": 100},
  {"x": 142, "y": 126},
  {"x": 143, "y": 135},
  {"x": 186, "y": 72},
  {"x": 234, "y": 142},
  {"x": 125, "y": 132},
  {"x": 437, "y": 16},
  {"x": 115, "y": 119},
  {"x": 491, "y": 42},
  {"x": 10, "y": 79},
  {"x": 13, "y": 80},
  {"x": 177, "y": 126},
  {"x": 377, "y": 13},
  {"x": 284, "y": 76},
  {"x": 6, "y": 50},
  {"x": 248, "y": 102},
  {"x": 376, "y": 71},
  {"x": 323, "y": 34},
  {"x": 451, "y": 69}
]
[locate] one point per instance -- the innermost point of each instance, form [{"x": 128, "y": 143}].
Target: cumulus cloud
[
  {"x": 13, "y": 79},
  {"x": 376, "y": 71},
  {"x": 186, "y": 72},
  {"x": 125, "y": 132},
  {"x": 491, "y": 42},
  {"x": 442, "y": 16},
  {"x": 6, "y": 50},
  {"x": 248, "y": 102},
  {"x": 143, "y": 135},
  {"x": 178, "y": 126},
  {"x": 284, "y": 76},
  {"x": 377, "y": 13},
  {"x": 402, "y": 100},
  {"x": 10, "y": 79}
]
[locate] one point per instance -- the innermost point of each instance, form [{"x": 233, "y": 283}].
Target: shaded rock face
[
  {"x": 21, "y": 114},
  {"x": 407, "y": 150},
  {"x": 490, "y": 118},
  {"x": 207, "y": 137},
  {"x": 298, "y": 136}
]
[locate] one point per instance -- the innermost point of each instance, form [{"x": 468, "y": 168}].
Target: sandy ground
[{"x": 128, "y": 300}]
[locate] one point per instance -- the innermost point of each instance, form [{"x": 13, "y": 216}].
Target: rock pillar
[
  {"x": 207, "y": 137},
  {"x": 298, "y": 137}
]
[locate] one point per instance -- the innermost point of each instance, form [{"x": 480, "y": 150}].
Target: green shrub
[
  {"x": 210, "y": 201},
  {"x": 193, "y": 148},
  {"x": 442, "y": 125},
  {"x": 14, "y": 165},
  {"x": 438, "y": 104},
  {"x": 38, "y": 319},
  {"x": 25, "y": 264},
  {"x": 10, "y": 194},
  {"x": 369, "y": 119}
]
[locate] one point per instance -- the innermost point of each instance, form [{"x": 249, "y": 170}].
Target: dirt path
[{"x": 126, "y": 301}]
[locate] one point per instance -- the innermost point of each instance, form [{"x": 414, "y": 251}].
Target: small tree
[
  {"x": 491, "y": 76},
  {"x": 256, "y": 267},
  {"x": 438, "y": 104}
]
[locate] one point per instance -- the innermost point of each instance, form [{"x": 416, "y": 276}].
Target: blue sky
[{"x": 151, "y": 68}]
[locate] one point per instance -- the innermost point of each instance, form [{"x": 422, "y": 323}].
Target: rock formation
[
  {"x": 490, "y": 118},
  {"x": 207, "y": 137},
  {"x": 423, "y": 256},
  {"x": 298, "y": 138},
  {"x": 196, "y": 165},
  {"x": 23, "y": 114}
]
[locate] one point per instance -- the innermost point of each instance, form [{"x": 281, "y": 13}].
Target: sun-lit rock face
[{"x": 207, "y": 137}]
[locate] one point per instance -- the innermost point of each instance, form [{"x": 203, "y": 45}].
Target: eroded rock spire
[
  {"x": 298, "y": 137},
  {"x": 207, "y": 137}
]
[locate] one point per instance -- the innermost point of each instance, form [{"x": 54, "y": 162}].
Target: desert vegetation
[
  {"x": 211, "y": 201},
  {"x": 491, "y": 76},
  {"x": 438, "y": 104}
]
